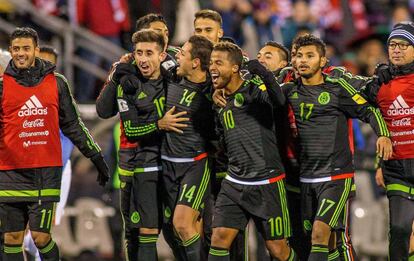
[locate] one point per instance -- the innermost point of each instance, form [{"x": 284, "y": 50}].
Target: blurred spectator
[
  {"x": 400, "y": 13},
  {"x": 327, "y": 14},
  {"x": 332, "y": 54},
  {"x": 168, "y": 8},
  {"x": 378, "y": 12},
  {"x": 233, "y": 13},
  {"x": 339, "y": 20},
  {"x": 266, "y": 21},
  {"x": 51, "y": 7},
  {"x": 56, "y": 8},
  {"x": 358, "y": 15},
  {"x": 370, "y": 51},
  {"x": 301, "y": 18},
  {"x": 185, "y": 20},
  {"x": 111, "y": 19}
]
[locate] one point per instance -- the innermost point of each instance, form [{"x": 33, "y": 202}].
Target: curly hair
[
  {"x": 310, "y": 39},
  {"x": 235, "y": 54}
]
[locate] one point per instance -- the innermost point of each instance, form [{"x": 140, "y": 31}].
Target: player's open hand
[
  {"x": 379, "y": 178},
  {"x": 173, "y": 122},
  {"x": 219, "y": 98},
  {"x": 384, "y": 147}
]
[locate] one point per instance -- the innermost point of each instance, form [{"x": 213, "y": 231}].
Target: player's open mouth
[
  {"x": 21, "y": 60},
  {"x": 144, "y": 67},
  {"x": 214, "y": 77}
]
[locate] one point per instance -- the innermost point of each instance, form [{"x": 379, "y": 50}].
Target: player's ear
[
  {"x": 220, "y": 33},
  {"x": 195, "y": 63},
  {"x": 283, "y": 64},
  {"x": 323, "y": 62},
  {"x": 235, "y": 68},
  {"x": 163, "y": 55},
  {"x": 37, "y": 51}
]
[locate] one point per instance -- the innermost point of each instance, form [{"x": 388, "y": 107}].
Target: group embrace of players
[{"x": 211, "y": 140}]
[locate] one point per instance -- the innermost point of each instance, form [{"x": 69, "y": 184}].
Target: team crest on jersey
[
  {"x": 135, "y": 217},
  {"x": 295, "y": 95},
  {"x": 324, "y": 98},
  {"x": 307, "y": 225},
  {"x": 238, "y": 100},
  {"x": 167, "y": 212}
]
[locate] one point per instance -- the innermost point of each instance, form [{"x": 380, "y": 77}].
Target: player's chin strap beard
[
  {"x": 307, "y": 76},
  {"x": 402, "y": 70}
]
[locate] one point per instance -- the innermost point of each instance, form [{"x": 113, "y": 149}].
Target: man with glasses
[{"x": 395, "y": 100}]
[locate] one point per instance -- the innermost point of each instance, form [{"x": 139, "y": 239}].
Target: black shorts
[
  {"x": 325, "y": 201},
  {"x": 127, "y": 206},
  {"x": 399, "y": 178},
  {"x": 140, "y": 201},
  {"x": 265, "y": 204},
  {"x": 14, "y": 217},
  {"x": 186, "y": 183},
  {"x": 126, "y": 162}
]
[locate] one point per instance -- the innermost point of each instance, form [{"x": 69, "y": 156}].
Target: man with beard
[
  {"x": 254, "y": 186},
  {"x": 395, "y": 101},
  {"x": 344, "y": 247},
  {"x": 275, "y": 57},
  {"x": 141, "y": 97},
  {"x": 322, "y": 105},
  {"x": 184, "y": 152},
  {"x": 35, "y": 102},
  {"x": 208, "y": 23},
  {"x": 107, "y": 107},
  {"x": 48, "y": 53}
]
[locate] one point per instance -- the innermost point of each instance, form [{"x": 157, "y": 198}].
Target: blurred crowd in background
[{"x": 355, "y": 32}]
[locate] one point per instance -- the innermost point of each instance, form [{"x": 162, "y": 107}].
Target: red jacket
[
  {"x": 99, "y": 16},
  {"x": 396, "y": 102}
]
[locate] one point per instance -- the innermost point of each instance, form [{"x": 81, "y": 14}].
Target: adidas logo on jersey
[
  {"x": 32, "y": 107},
  {"x": 400, "y": 107},
  {"x": 142, "y": 95}
]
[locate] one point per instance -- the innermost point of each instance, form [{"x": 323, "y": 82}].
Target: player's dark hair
[
  {"x": 201, "y": 48},
  {"x": 310, "y": 39},
  {"x": 50, "y": 50},
  {"x": 25, "y": 32},
  {"x": 209, "y": 14},
  {"x": 281, "y": 49},
  {"x": 148, "y": 36},
  {"x": 145, "y": 21},
  {"x": 235, "y": 54},
  {"x": 227, "y": 39}
]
